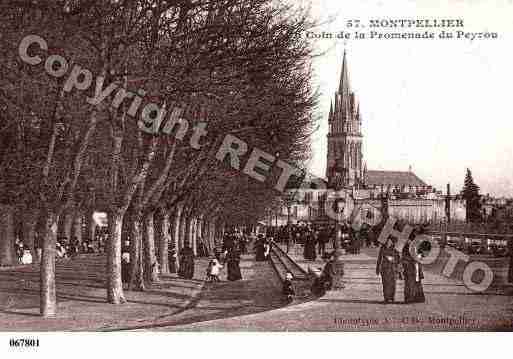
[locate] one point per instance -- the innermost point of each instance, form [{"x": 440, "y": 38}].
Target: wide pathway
[
  {"x": 82, "y": 305},
  {"x": 449, "y": 306}
]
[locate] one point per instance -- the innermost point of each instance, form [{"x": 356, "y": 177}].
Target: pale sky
[{"x": 438, "y": 105}]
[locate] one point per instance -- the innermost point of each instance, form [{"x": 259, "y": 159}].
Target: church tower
[{"x": 345, "y": 154}]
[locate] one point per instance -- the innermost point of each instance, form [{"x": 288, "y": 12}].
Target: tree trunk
[
  {"x": 198, "y": 231},
  {"x": 192, "y": 236},
  {"x": 164, "y": 242},
  {"x": 67, "y": 224},
  {"x": 151, "y": 273},
  {"x": 182, "y": 240},
  {"x": 210, "y": 235},
  {"x": 7, "y": 251},
  {"x": 176, "y": 233},
  {"x": 136, "y": 267},
  {"x": 90, "y": 225},
  {"x": 114, "y": 284},
  {"x": 77, "y": 225},
  {"x": 29, "y": 232},
  {"x": 188, "y": 231},
  {"x": 48, "y": 298}
]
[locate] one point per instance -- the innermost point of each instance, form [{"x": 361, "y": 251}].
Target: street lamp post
[
  {"x": 337, "y": 264},
  {"x": 339, "y": 208}
]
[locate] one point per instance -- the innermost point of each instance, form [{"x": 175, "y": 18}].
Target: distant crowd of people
[
  {"x": 316, "y": 239},
  {"x": 64, "y": 247}
]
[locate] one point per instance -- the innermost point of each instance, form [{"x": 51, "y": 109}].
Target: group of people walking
[
  {"x": 392, "y": 266},
  {"x": 234, "y": 244}
]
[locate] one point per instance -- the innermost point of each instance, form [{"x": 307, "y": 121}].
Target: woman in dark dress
[
  {"x": 232, "y": 261},
  {"x": 259, "y": 249},
  {"x": 171, "y": 257},
  {"x": 387, "y": 267},
  {"x": 413, "y": 292},
  {"x": 309, "y": 247},
  {"x": 186, "y": 269}
]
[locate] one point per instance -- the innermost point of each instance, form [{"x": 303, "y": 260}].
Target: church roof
[{"x": 394, "y": 178}]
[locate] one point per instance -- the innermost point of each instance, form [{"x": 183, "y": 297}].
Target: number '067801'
[{"x": 23, "y": 342}]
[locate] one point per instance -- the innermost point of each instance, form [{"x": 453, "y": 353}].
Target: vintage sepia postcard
[{"x": 255, "y": 166}]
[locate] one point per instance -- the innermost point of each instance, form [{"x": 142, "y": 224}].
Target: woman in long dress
[
  {"x": 259, "y": 249},
  {"x": 309, "y": 247},
  {"x": 186, "y": 269},
  {"x": 171, "y": 258},
  {"x": 232, "y": 261},
  {"x": 413, "y": 275},
  {"x": 387, "y": 266}
]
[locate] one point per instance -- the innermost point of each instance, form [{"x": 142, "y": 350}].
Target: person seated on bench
[{"x": 324, "y": 281}]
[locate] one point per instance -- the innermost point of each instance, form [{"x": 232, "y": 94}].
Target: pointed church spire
[
  {"x": 343, "y": 88},
  {"x": 331, "y": 109}
]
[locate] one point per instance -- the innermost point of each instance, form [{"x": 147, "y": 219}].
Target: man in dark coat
[
  {"x": 387, "y": 267},
  {"x": 322, "y": 239},
  {"x": 357, "y": 242},
  {"x": 364, "y": 235}
]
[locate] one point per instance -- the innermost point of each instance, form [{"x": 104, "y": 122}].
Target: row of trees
[{"x": 240, "y": 66}]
